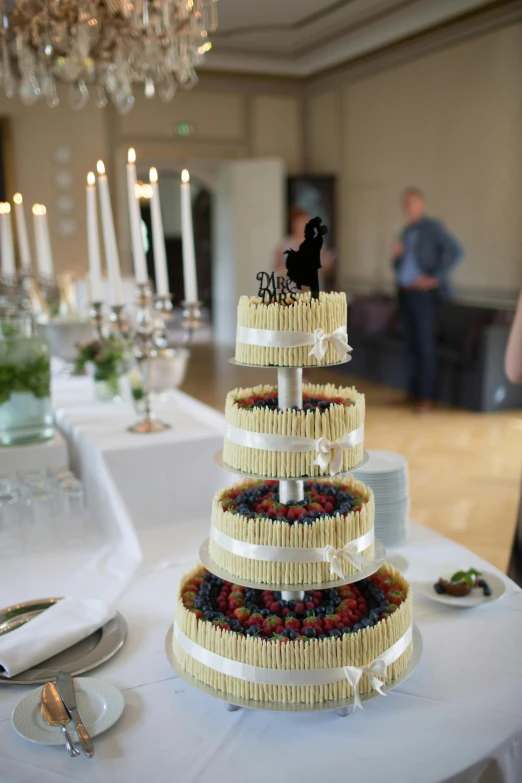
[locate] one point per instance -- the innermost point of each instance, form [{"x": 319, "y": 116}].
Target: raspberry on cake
[
  {"x": 347, "y": 627},
  {"x": 262, "y": 326},
  {"x": 262, "y": 439},
  {"x": 333, "y": 513}
]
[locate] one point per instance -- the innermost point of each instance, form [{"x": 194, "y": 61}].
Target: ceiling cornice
[{"x": 314, "y": 64}]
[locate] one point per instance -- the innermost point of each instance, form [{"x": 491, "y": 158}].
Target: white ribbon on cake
[
  {"x": 377, "y": 668},
  {"x": 330, "y": 451},
  {"x": 319, "y": 340},
  {"x": 289, "y": 554},
  {"x": 298, "y": 677}
]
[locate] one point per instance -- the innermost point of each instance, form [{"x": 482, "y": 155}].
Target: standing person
[{"x": 422, "y": 259}]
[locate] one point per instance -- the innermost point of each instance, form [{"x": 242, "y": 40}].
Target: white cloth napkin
[{"x": 57, "y": 628}]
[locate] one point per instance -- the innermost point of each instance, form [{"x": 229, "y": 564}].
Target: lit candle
[
  {"x": 158, "y": 239},
  {"x": 138, "y": 253},
  {"x": 6, "y": 242},
  {"x": 93, "y": 240},
  {"x": 44, "y": 257},
  {"x": 109, "y": 237},
  {"x": 187, "y": 240},
  {"x": 47, "y": 244},
  {"x": 23, "y": 237}
]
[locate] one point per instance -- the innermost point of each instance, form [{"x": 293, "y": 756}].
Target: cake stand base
[
  {"x": 343, "y": 707},
  {"x": 146, "y": 426},
  {"x": 218, "y": 459},
  {"x": 287, "y": 367},
  {"x": 371, "y": 568}
]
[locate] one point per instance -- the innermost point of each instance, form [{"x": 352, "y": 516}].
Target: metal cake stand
[
  {"x": 285, "y": 367},
  {"x": 371, "y": 568},
  {"x": 218, "y": 459},
  {"x": 343, "y": 707}
]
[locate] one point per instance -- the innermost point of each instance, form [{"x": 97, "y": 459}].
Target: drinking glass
[
  {"x": 39, "y": 518},
  {"x": 73, "y": 518},
  {"x": 11, "y": 532}
]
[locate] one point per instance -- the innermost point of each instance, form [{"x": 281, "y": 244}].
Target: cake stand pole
[{"x": 290, "y": 394}]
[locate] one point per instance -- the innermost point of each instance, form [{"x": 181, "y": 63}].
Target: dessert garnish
[{"x": 462, "y": 583}]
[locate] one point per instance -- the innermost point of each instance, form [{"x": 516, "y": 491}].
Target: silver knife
[{"x": 65, "y": 685}]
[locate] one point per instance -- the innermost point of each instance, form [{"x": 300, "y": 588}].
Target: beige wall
[
  {"x": 231, "y": 119},
  {"x": 449, "y": 123}
]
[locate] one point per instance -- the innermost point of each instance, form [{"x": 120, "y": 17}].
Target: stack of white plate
[{"x": 387, "y": 474}]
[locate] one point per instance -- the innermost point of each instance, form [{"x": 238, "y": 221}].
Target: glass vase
[
  {"x": 107, "y": 388},
  {"x": 25, "y": 381}
]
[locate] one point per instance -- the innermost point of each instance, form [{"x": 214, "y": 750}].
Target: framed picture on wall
[{"x": 309, "y": 196}]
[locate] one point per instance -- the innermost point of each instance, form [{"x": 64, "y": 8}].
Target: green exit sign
[{"x": 184, "y": 129}]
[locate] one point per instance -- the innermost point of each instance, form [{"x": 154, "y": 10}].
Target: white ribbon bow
[
  {"x": 376, "y": 668},
  {"x": 339, "y": 340},
  {"x": 349, "y": 552},
  {"x": 331, "y": 453}
]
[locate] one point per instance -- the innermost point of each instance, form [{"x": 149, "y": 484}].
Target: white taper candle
[
  {"x": 23, "y": 237},
  {"x": 93, "y": 240},
  {"x": 187, "y": 241},
  {"x": 109, "y": 237},
  {"x": 6, "y": 242},
  {"x": 41, "y": 238},
  {"x": 158, "y": 238},
  {"x": 138, "y": 252}
]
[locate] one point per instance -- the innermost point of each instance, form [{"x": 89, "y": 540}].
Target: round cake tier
[
  {"x": 298, "y": 322},
  {"x": 274, "y": 654},
  {"x": 256, "y": 537},
  {"x": 326, "y": 436}
]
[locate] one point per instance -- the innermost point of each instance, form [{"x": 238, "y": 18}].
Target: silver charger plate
[
  {"x": 340, "y": 704},
  {"x": 218, "y": 459},
  {"x": 371, "y": 568},
  {"x": 286, "y": 367},
  {"x": 81, "y": 657}
]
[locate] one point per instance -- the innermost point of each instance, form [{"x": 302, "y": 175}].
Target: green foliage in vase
[
  {"x": 24, "y": 367},
  {"x": 107, "y": 357}
]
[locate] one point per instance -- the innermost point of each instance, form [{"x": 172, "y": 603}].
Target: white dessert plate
[
  {"x": 475, "y": 598},
  {"x": 99, "y": 704}
]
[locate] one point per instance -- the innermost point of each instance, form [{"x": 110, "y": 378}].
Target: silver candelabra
[{"x": 147, "y": 339}]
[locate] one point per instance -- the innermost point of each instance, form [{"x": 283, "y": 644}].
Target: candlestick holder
[
  {"x": 191, "y": 319},
  {"x": 147, "y": 338}
]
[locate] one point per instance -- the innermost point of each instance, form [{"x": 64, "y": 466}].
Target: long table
[{"x": 457, "y": 718}]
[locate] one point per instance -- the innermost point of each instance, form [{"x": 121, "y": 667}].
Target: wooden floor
[{"x": 465, "y": 468}]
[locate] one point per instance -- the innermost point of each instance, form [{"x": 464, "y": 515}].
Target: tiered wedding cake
[{"x": 294, "y": 606}]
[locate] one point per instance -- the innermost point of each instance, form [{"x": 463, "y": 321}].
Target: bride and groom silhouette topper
[{"x": 303, "y": 265}]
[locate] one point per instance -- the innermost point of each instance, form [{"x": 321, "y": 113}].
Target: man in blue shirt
[{"x": 422, "y": 259}]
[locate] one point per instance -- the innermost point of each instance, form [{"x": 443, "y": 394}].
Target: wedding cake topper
[
  {"x": 303, "y": 265},
  {"x": 275, "y": 289}
]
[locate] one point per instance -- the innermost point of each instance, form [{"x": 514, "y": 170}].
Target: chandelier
[{"x": 101, "y": 48}]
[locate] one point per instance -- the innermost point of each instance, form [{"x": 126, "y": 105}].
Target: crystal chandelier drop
[{"x": 101, "y": 48}]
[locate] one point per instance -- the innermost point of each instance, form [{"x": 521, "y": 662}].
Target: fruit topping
[
  {"x": 311, "y": 403},
  {"x": 265, "y": 614},
  {"x": 321, "y": 499}
]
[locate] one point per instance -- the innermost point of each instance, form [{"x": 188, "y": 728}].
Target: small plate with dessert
[{"x": 464, "y": 588}]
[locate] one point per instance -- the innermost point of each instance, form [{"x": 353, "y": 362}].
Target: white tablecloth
[{"x": 457, "y": 718}]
